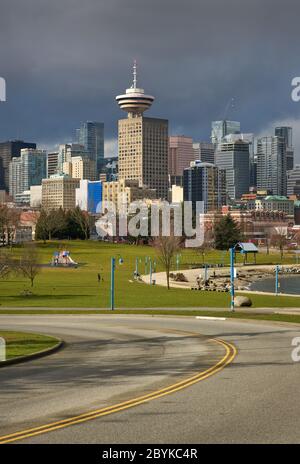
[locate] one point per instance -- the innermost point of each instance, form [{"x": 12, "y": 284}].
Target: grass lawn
[
  {"x": 22, "y": 344},
  {"x": 79, "y": 287}
]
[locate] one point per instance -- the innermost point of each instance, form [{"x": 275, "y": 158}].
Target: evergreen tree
[
  {"x": 63, "y": 224},
  {"x": 227, "y": 233}
]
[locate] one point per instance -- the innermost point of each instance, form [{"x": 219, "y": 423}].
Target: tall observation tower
[
  {"x": 142, "y": 142},
  {"x": 134, "y": 101}
]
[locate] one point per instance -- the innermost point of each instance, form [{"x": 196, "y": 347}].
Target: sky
[{"x": 64, "y": 61}]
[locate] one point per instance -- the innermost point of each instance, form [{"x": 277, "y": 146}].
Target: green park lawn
[
  {"x": 24, "y": 344},
  {"x": 79, "y": 287}
]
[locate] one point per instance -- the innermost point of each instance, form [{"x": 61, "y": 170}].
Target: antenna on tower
[{"x": 134, "y": 74}]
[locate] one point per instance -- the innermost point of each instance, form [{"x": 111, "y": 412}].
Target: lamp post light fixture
[
  {"x": 154, "y": 266},
  {"x": 177, "y": 261},
  {"x": 112, "y": 280}
]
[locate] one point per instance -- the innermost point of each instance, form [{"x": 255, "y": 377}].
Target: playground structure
[{"x": 62, "y": 258}]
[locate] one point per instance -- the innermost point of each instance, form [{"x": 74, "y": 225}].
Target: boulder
[{"x": 240, "y": 301}]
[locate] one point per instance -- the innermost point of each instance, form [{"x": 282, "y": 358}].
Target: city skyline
[{"x": 50, "y": 88}]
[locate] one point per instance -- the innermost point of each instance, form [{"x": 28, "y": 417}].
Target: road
[{"x": 109, "y": 360}]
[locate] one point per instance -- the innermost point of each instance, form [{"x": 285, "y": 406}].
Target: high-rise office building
[
  {"x": 109, "y": 171},
  {"x": 287, "y": 133},
  {"x": 143, "y": 142},
  {"x": 181, "y": 154},
  {"x": 124, "y": 191},
  {"x": 59, "y": 191},
  {"x": 233, "y": 157},
  {"x": 249, "y": 138},
  {"x": 9, "y": 150},
  {"x": 27, "y": 170},
  {"x": 80, "y": 167},
  {"x": 52, "y": 163},
  {"x": 204, "y": 182},
  {"x": 293, "y": 181},
  {"x": 89, "y": 196},
  {"x": 204, "y": 152},
  {"x": 219, "y": 129},
  {"x": 271, "y": 164},
  {"x": 67, "y": 151},
  {"x": 91, "y": 136}
]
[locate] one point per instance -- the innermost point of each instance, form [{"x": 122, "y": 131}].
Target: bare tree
[
  {"x": 203, "y": 249},
  {"x": 13, "y": 218},
  {"x": 6, "y": 264},
  {"x": 3, "y": 221},
  {"x": 166, "y": 248},
  {"x": 297, "y": 238},
  {"x": 279, "y": 239},
  {"x": 50, "y": 222},
  {"x": 83, "y": 220},
  {"x": 29, "y": 262},
  {"x": 268, "y": 232},
  {"x": 9, "y": 219}
]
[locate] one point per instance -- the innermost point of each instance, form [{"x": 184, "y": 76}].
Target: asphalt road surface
[{"x": 142, "y": 364}]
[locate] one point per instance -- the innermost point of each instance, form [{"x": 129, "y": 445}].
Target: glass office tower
[
  {"x": 221, "y": 128},
  {"x": 91, "y": 136}
]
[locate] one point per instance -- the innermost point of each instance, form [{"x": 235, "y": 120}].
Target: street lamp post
[
  {"x": 232, "y": 274},
  {"x": 112, "y": 281},
  {"x": 277, "y": 280},
  {"x": 205, "y": 273},
  {"x": 150, "y": 274}
]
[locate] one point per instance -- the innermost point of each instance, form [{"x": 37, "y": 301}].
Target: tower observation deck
[{"x": 134, "y": 101}]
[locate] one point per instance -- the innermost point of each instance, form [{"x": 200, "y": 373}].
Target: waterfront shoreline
[{"x": 219, "y": 278}]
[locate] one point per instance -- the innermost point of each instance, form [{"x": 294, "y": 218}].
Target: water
[{"x": 288, "y": 284}]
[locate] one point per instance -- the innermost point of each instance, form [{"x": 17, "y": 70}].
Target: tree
[
  {"x": 279, "y": 239},
  {"x": 297, "y": 238},
  {"x": 227, "y": 233},
  {"x": 268, "y": 238},
  {"x": 203, "y": 249},
  {"x": 9, "y": 219},
  {"x": 82, "y": 219},
  {"x": 6, "y": 264},
  {"x": 166, "y": 248},
  {"x": 13, "y": 218},
  {"x": 29, "y": 262},
  {"x": 51, "y": 224},
  {"x": 3, "y": 222}
]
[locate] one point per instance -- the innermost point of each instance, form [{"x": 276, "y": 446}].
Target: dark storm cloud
[{"x": 64, "y": 62}]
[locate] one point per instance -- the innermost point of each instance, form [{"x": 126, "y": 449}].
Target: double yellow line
[{"x": 230, "y": 354}]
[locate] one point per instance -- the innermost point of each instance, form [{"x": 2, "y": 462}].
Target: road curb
[{"x": 31, "y": 357}]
